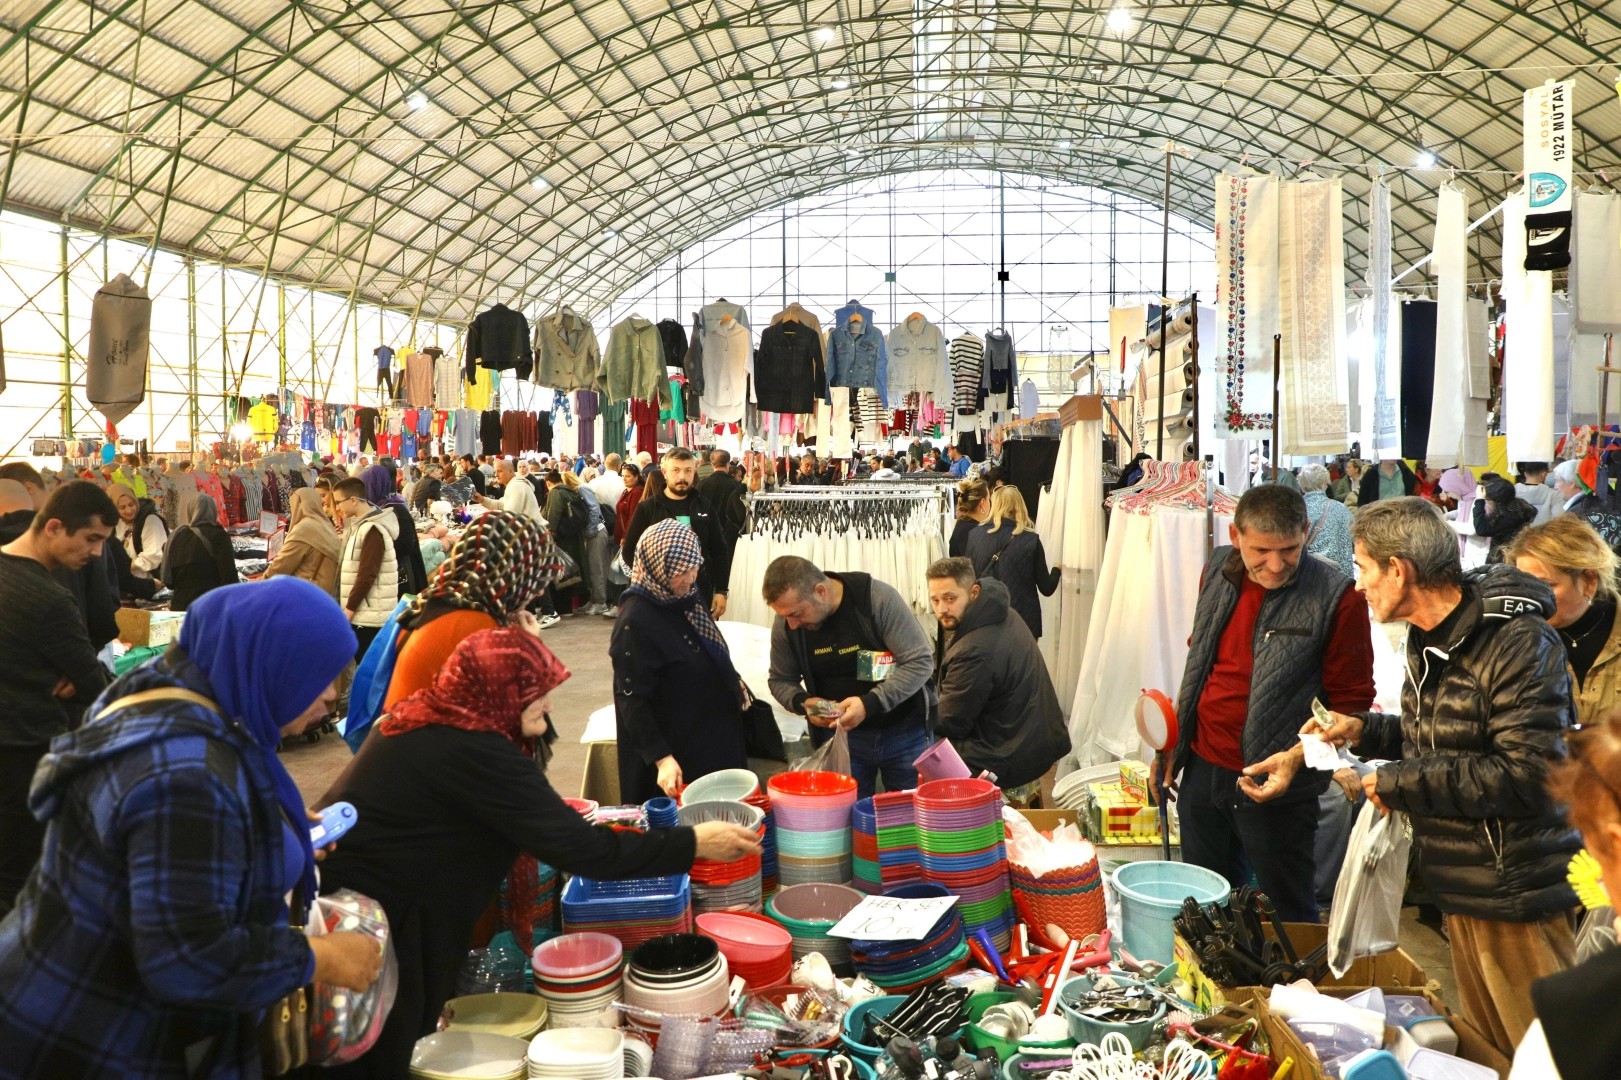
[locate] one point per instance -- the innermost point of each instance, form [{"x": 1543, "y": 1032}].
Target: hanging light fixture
[
  {"x": 417, "y": 101},
  {"x": 1119, "y": 19}
]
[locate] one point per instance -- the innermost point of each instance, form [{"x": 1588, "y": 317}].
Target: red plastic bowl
[{"x": 811, "y": 784}]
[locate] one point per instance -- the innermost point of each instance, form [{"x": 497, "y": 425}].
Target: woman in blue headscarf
[
  {"x": 155, "y": 929},
  {"x": 407, "y": 549}
]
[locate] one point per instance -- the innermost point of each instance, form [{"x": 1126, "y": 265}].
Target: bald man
[{"x": 91, "y": 585}]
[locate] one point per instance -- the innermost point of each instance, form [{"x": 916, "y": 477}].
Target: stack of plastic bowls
[
  {"x": 577, "y": 975},
  {"x": 632, "y": 910},
  {"x": 812, "y": 812},
  {"x": 660, "y": 813},
  {"x": 578, "y": 1055},
  {"x": 477, "y": 1054},
  {"x": 586, "y": 808},
  {"x": 725, "y": 886},
  {"x": 741, "y": 785},
  {"x": 883, "y": 843},
  {"x": 757, "y": 949},
  {"x": 519, "y": 1016},
  {"x": 960, "y": 837},
  {"x": 808, "y": 911},
  {"x": 675, "y": 975},
  {"x": 902, "y": 966}
]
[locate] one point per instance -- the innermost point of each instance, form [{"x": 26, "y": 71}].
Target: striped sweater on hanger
[{"x": 967, "y": 356}]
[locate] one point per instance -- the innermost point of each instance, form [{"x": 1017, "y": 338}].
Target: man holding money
[{"x": 1275, "y": 630}]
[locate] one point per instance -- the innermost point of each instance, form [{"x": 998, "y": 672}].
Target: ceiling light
[
  {"x": 610, "y": 233},
  {"x": 1426, "y": 159},
  {"x": 540, "y": 183},
  {"x": 417, "y": 101},
  {"x": 1119, "y": 20},
  {"x": 841, "y": 84},
  {"x": 1064, "y": 144},
  {"x": 825, "y": 34}
]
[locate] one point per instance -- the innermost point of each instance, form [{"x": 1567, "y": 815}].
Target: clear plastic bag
[
  {"x": 344, "y": 1024},
  {"x": 831, "y": 756},
  {"x": 1366, "y": 918}
]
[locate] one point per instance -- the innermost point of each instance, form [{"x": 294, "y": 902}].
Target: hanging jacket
[
  {"x": 997, "y": 702},
  {"x": 788, "y": 372},
  {"x": 1001, "y": 372},
  {"x": 634, "y": 366},
  {"x": 379, "y": 601},
  {"x": 858, "y": 360},
  {"x": 567, "y": 355},
  {"x": 726, "y": 369},
  {"x": 1481, "y": 722},
  {"x": 674, "y": 340},
  {"x": 498, "y": 340},
  {"x": 917, "y": 360}
]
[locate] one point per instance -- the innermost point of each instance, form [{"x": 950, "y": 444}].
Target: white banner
[{"x": 1550, "y": 199}]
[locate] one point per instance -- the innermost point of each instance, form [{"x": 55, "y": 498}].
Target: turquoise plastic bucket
[{"x": 1151, "y": 894}]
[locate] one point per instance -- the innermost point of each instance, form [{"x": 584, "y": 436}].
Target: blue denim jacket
[{"x": 858, "y": 360}]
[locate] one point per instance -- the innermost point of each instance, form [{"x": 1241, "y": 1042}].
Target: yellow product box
[
  {"x": 1118, "y": 813},
  {"x": 1134, "y": 779}
]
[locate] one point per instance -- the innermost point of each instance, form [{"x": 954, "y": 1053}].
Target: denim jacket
[{"x": 858, "y": 360}]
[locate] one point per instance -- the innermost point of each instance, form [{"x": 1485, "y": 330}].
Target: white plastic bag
[
  {"x": 1366, "y": 917},
  {"x": 831, "y": 756}
]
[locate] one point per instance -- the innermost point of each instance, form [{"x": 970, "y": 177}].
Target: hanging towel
[
  {"x": 1311, "y": 251},
  {"x": 1478, "y": 329},
  {"x": 1528, "y": 370},
  {"x": 1417, "y": 376},
  {"x": 120, "y": 326},
  {"x": 1595, "y": 273},
  {"x": 1451, "y": 336},
  {"x": 1246, "y": 299}
]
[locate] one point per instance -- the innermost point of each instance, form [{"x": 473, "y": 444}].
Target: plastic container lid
[
  {"x": 1428, "y": 1064},
  {"x": 574, "y": 956},
  {"x": 1375, "y": 1065}
]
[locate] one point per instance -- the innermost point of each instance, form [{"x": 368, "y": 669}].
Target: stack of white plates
[
  {"x": 578, "y": 1054},
  {"x": 638, "y": 1056},
  {"x": 462, "y": 1054}
]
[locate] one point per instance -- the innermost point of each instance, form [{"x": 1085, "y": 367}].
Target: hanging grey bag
[{"x": 120, "y": 322}]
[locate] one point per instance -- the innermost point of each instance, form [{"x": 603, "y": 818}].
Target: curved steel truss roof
[{"x": 285, "y": 136}]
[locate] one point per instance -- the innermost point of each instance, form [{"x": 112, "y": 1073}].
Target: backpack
[
  {"x": 573, "y": 516},
  {"x": 372, "y": 676}
]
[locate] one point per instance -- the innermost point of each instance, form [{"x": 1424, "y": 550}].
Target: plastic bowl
[
  {"x": 1084, "y": 1029},
  {"x": 955, "y": 794},
  {"x": 745, "y": 938},
  {"x": 517, "y": 1016},
  {"x": 584, "y": 807},
  {"x": 855, "y": 1025},
  {"x": 467, "y": 1053},
  {"x": 750, "y": 817},
  {"x": 578, "y": 1046},
  {"x": 805, "y": 784},
  {"x": 670, "y": 954},
  {"x": 580, "y": 956},
  {"x": 816, "y": 902},
  {"x": 727, "y": 785}
]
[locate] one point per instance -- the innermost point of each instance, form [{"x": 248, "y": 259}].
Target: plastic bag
[
  {"x": 831, "y": 756},
  {"x": 618, "y": 572},
  {"x": 568, "y": 572},
  {"x": 1366, "y": 918},
  {"x": 344, "y": 1024}
]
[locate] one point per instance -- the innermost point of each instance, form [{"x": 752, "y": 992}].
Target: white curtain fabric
[
  {"x": 1528, "y": 367},
  {"x": 1311, "y": 254},
  {"x": 1247, "y": 276},
  {"x": 1142, "y": 616},
  {"x": 1385, "y": 396},
  {"x": 1450, "y": 256},
  {"x": 1070, "y": 521},
  {"x": 1474, "y": 447},
  {"x": 1595, "y": 269}
]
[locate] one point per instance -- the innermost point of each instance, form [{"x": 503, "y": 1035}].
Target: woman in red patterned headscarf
[{"x": 448, "y": 794}]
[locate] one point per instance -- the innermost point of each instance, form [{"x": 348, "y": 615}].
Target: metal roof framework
[{"x": 288, "y": 138}]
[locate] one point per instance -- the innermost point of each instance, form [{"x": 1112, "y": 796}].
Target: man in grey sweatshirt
[{"x": 848, "y": 653}]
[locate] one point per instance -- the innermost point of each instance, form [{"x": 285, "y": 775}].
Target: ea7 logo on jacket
[{"x": 1508, "y": 606}]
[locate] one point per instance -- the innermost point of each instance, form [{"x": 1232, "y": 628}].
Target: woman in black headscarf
[{"x": 198, "y": 557}]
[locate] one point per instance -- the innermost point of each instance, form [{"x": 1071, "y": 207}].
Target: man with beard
[{"x": 679, "y": 500}]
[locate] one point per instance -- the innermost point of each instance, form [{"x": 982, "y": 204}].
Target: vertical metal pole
[
  {"x": 1277, "y": 357},
  {"x": 227, "y": 392},
  {"x": 191, "y": 350},
  {"x": 1001, "y": 229},
  {"x": 785, "y": 255},
  {"x": 281, "y": 339},
  {"x": 1193, "y": 363},
  {"x": 67, "y": 345},
  {"x": 1164, "y": 301},
  {"x": 354, "y": 323}
]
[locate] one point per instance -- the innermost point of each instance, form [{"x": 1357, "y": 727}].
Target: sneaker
[
  {"x": 609, "y": 611},
  {"x": 548, "y": 621},
  {"x": 595, "y": 609}
]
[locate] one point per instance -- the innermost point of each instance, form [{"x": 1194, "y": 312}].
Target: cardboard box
[
  {"x": 1388, "y": 971},
  {"x": 1047, "y": 820},
  {"x": 1134, "y": 779},
  {"x": 137, "y": 626},
  {"x": 1472, "y": 1042},
  {"x": 1116, "y": 812}
]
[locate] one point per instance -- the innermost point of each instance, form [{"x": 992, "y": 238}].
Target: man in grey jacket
[{"x": 847, "y": 652}]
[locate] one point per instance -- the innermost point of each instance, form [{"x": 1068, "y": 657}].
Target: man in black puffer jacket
[
  {"x": 997, "y": 703},
  {"x": 1483, "y": 715}
]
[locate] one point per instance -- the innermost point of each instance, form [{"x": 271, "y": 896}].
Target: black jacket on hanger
[
  {"x": 499, "y": 338},
  {"x": 788, "y": 369},
  {"x": 674, "y": 339}
]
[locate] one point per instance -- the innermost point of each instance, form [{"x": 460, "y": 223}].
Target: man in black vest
[
  {"x": 1274, "y": 629},
  {"x": 847, "y": 652}
]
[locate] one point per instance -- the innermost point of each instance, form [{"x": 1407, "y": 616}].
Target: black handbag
[{"x": 761, "y": 736}]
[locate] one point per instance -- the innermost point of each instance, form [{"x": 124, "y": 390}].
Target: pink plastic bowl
[
  {"x": 746, "y": 939},
  {"x": 577, "y": 956},
  {"x": 585, "y": 807}
]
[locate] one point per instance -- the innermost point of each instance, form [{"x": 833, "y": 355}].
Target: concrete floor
[{"x": 581, "y": 642}]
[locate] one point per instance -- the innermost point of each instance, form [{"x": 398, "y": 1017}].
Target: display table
[{"x": 750, "y": 647}]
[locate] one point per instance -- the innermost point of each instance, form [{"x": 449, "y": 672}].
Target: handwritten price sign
[{"x": 892, "y": 918}]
